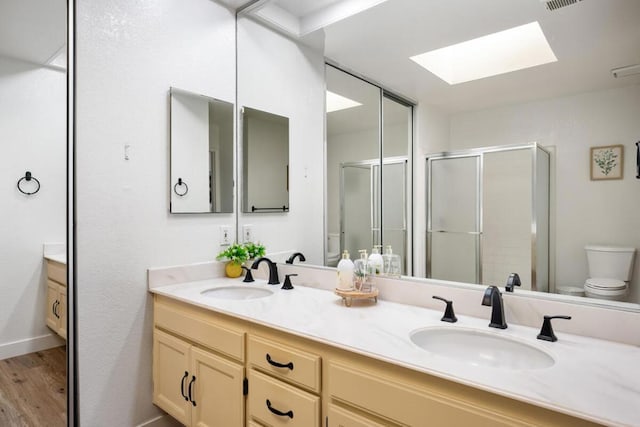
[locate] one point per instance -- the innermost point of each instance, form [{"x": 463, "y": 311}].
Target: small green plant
[
  {"x": 235, "y": 253},
  {"x": 239, "y": 253},
  {"x": 606, "y": 161},
  {"x": 255, "y": 250}
]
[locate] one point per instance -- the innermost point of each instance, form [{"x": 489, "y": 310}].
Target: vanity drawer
[
  {"x": 57, "y": 272},
  {"x": 301, "y": 368},
  {"x": 407, "y": 405},
  {"x": 197, "y": 327},
  {"x": 296, "y": 408},
  {"x": 339, "y": 417}
]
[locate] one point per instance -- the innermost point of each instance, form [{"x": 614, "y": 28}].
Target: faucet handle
[
  {"x": 287, "y": 281},
  {"x": 449, "y": 315},
  {"x": 546, "y": 332},
  {"x": 513, "y": 280},
  {"x": 248, "y": 277}
]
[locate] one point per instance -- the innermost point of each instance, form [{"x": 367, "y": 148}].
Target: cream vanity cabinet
[
  {"x": 295, "y": 381},
  {"x": 198, "y": 369},
  {"x": 56, "y": 310}
]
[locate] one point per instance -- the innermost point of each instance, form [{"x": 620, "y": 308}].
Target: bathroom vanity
[
  {"x": 301, "y": 358},
  {"x": 56, "y": 309}
]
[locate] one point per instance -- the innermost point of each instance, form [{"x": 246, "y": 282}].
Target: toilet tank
[{"x": 610, "y": 262}]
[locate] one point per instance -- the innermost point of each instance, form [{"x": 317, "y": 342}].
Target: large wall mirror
[
  {"x": 584, "y": 93},
  {"x": 202, "y": 153},
  {"x": 265, "y": 161}
]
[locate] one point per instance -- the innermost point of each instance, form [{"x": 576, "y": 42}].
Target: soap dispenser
[
  {"x": 391, "y": 263},
  {"x": 345, "y": 272},
  {"x": 375, "y": 261},
  {"x": 360, "y": 270}
]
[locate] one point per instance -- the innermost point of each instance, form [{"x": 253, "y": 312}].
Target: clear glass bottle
[
  {"x": 360, "y": 270},
  {"x": 392, "y": 265},
  {"x": 345, "y": 272},
  {"x": 375, "y": 262}
]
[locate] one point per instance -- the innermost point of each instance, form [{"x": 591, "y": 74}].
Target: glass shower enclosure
[{"x": 488, "y": 215}]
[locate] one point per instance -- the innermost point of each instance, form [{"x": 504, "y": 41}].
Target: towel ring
[
  {"x": 28, "y": 177},
  {"x": 181, "y": 183}
]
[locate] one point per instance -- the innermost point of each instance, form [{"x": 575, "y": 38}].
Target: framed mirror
[
  {"x": 587, "y": 96},
  {"x": 265, "y": 161},
  {"x": 202, "y": 148}
]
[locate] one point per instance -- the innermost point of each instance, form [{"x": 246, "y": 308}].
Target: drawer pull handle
[
  {"x": 279, "y": 413},
  {"x": 279, "y": 365},
  {"x": 193, "y": 379},
  {"x": 186, "y": 375}
]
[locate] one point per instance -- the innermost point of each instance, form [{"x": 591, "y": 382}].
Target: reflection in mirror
[
  {"x": 201, "y": 153},
  {"x": 566, "y": 107},
  {"x": 33, "y": 138},
  {"x": 265, "y": 161},
  {"x": 473, "y": 233},
  {"x": 365, "y": 207}
]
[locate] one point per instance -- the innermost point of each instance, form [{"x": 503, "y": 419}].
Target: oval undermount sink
[
  {"x": 480, "y": 348},
  {"x": 237, "y": 292}
]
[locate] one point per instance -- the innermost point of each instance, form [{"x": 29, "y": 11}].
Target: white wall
[
  {"x": 280, "y": 76},
  {"x": 128, "y": 55},
  {"x": 586, "y": 212},
  {"x": 431, "y": 136},
  {"x": 33, "y": 138}
]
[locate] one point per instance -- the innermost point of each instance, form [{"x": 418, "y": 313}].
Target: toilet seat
[
  {"x": 605, "y": 284},
  {"x": 609, "y": 289}
]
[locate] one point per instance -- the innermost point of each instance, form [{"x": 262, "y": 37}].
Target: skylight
[
  {"x": 337, "y": 102},
  {"x": 498, "y": 53}
]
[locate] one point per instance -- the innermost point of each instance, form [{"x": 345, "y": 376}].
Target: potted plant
[
  {"x": 238, "y": 254},
  {"x": 254, "y": 250},
  {"x": 235, "y": 255}
]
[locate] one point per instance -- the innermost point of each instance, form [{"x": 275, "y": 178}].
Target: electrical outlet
[
  {"x": 225, "y": 235},
  {"x": 247, "y": 233}
]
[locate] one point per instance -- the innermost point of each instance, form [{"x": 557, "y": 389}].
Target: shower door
[
  {"x": 364, "y": 221},
  {"x": 453, "y": 219}
]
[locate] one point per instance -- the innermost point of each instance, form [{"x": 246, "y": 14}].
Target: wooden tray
[{"x": 350, "y": 295}]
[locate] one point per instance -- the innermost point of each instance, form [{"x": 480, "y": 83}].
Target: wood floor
[{"x": 33, "y": 389}]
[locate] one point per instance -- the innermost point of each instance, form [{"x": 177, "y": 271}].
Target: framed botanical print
[{"x": 607, "y": 162}]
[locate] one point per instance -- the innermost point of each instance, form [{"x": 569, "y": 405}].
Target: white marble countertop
[{"x": 592, "y": 379}]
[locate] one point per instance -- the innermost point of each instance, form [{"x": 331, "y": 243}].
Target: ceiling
[
  {"x": 32, "y": 30},
  {"x": 589, "y": 38}
]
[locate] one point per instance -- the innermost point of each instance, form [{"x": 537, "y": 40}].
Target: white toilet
[
  {"x": 610, "y": 270},
  {"x": 333, "y": 253}
]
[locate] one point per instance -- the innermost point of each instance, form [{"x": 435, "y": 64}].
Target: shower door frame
[
  {"x": 479, "y": 152},
  {"x": 375, "y": 189}
]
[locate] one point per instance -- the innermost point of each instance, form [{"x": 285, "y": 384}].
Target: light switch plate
[
  {"x": 225, "y": 235},
  {"x": 247, "y": 233}
]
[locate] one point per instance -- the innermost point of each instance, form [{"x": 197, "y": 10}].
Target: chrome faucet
[
  {"x": 273, "y": 270},
  {"x": 493, "y": 297}
]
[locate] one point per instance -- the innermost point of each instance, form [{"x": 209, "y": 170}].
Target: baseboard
[
  {"x": 160, "y": 421},
  {"x": 29, "y": 345}
]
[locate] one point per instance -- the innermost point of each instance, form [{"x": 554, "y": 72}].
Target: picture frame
[{"x": 607, "y": 162}]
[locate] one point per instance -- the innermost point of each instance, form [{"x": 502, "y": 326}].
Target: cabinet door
[
  {"x": 216, "y": 391},
  {"x": 62, "y": 311},
  {"x": 171, "y": 376},
  {"x": 52, "y": 303}
]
